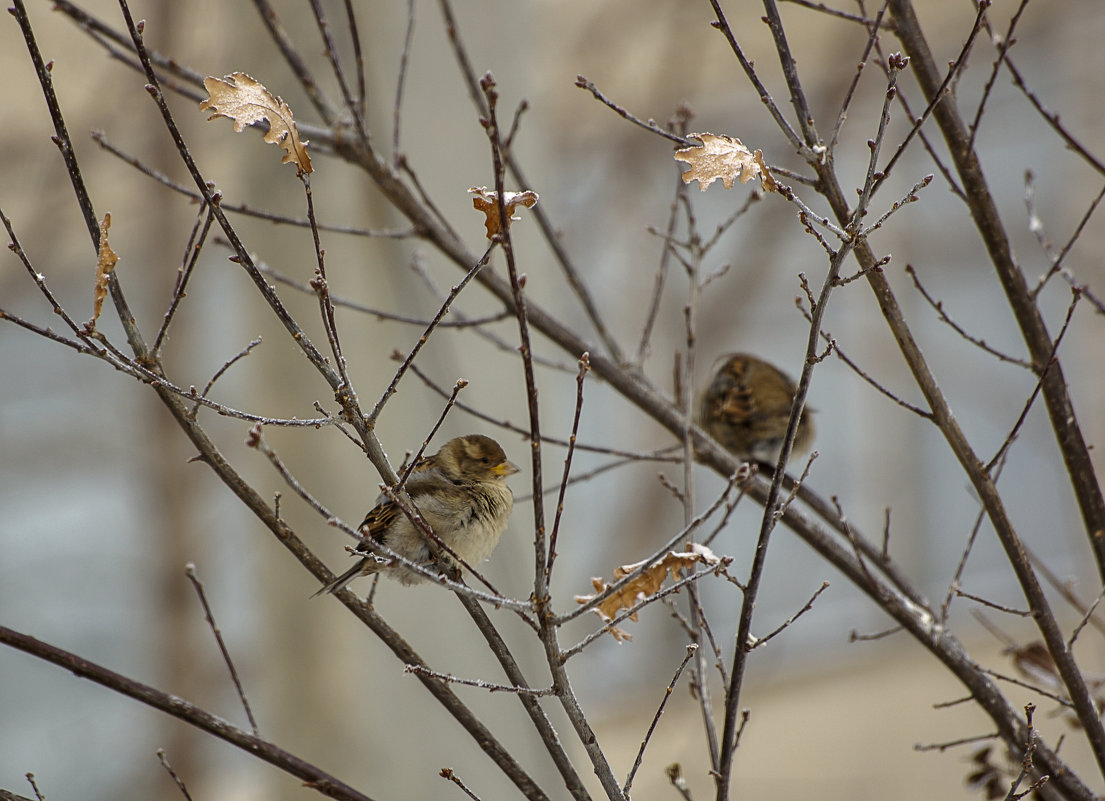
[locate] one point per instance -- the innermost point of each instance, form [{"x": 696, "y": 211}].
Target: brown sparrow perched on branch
[
  {"x": 461, "y": 492},
  {"x": 746, "y": 408}
]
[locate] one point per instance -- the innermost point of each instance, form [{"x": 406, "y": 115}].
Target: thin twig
[
  {"x": 786, "y": 623},
  {"x": 1053, "y": 119},
  {"x": 490, "y": 686},
  {"x": 196, "y": 241},
  {"x": 358, "y": 56},
  {"x": 584, "y": 368},
  {"x": 691, "y": 649},
  {"x": 1036, "y": 226},
  {"x": 910, "y": 197},
  {"x": 1004, "y": 43},
  {"x": 662, "y": 455},
  {"x": 675, "y": 776},
  {"x": 331, "y": 50},
  {"x": 1086, "y": 618},
  {"x": 226, "y": 366},
  {"x": 1051, "y": 363},
  {"x": 873, "y": 27},
  {"x": 722, "y": 24},
  {"x": 549, "y": 231},
  {"x": 240, "y": 208},
  {"x": 34, "y": 786},
  {"x": 404, "y": 474},
  {"x": 938, "y": 307},
  {"x": 441, "y": 312},
  {"x": 993, "y": 605},
  {"x": 190, "y": 571},
  {"x": 174, "y": 775},
  {"x": 866, "y": 22},
  {"x": 584, "y": 83},
  {"x": 957, "y": 577},
  {"x": 941, "y": 747},
  {"x": 450, "y": 775},
  {"x": 177, "y": 707},
  {"x": 385, "y": 314},
  {"x": 344, "y": 392},
  {"x": 644, "y": 345},
  {"x": 400, "y": 82},
  {"x": 1066, "y": 702},
  {"x": 280, "y": 38},
  {"x": 954, "y": 69},
  {"x": 840, "y": 354}
]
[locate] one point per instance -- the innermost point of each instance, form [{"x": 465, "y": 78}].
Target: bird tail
[{"x": 339, "y": 584}]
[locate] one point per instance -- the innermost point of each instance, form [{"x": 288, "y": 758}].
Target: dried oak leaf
[
  {"x": 648, "y": 583},
  {"x": 486, "y": 200},
  {"x": 105, "y": 263},
  {"x": 246, "y": 101},
  {"x": 726, "y": 158}
]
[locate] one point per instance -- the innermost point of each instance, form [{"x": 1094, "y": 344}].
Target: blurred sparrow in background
[
  {"x": 461, "y": 492},
  {"x": 746, "y": 408}
]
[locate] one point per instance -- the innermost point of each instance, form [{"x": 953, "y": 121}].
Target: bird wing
[
  {"x": 379, "y": 519},
  {"x": 736, "y": 404}
]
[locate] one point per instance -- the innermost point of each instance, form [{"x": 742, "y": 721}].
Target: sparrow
[
  {"x": 460, "y": 491},
  {"x": 746, "y": 407}
]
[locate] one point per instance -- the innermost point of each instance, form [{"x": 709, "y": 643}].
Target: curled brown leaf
[
  {"x": 725, "y": 158},
  {"x": 246, "y": 101},
  {"x": 648, "y": 583},
  {"x": 105, "y": 263},
  {"x": 486, "y": 200}
]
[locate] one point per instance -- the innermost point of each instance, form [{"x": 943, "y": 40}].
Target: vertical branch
[
  {"x": 584, "y": 368},
  {"x": 358, "y": 56},
  {"x": 691, "y": 649},
  {"x": 767, "y": 525},
  {"x": 548, "y": 230},
  {"x": 400, "y": 82},
  {"x": 335, "y": 65},
  {"x": 344, "y": 392},
  {"x": 645, "y": 344},
  {"x": 279, "y": 36},
  {"x": 700, "y": 673},
  {"x": 184, "y": 272},
  {"x": 541, "y": 601},
  {"x": 487, "y": 84},
  {"x": 872, "y": 38},
  {"x": 790, "y": 72},
  {"x": 722, "y": 24}
]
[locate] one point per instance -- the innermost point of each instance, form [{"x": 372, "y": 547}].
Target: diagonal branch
[{"x": 179, "y": 708}]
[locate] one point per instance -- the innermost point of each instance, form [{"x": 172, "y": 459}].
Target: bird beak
[{"x": 505, "y": 469}]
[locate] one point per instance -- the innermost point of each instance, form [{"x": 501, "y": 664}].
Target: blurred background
[{"x": 100, "y": 508}]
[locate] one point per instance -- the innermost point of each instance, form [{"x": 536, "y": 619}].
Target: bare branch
[
  {"x": 179, "y": 708},
  {"x": 190, "y": 571}
]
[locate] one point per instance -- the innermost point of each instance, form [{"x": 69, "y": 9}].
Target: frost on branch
[
  {"x": 486, "y": 200},
  {"x": 246, "y": 101},
  {"x": 652, "y": 578},
  {"x": 105, "y": 263},
  {"x": 726, "y": 158}
]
